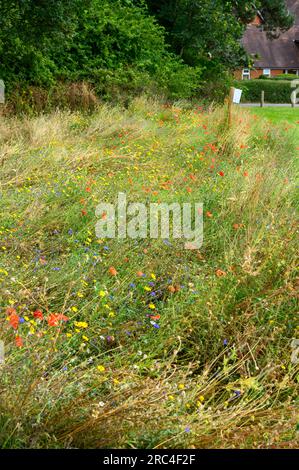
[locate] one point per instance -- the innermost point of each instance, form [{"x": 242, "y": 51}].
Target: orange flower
[
  {"x": 139, "y": 273},
  {"x": 174, "y": 289},
  {"x": 55, "y": 318},
  {"x": 155, "y": 317},
  {"x": 112, "y": 271},
  {"x": 19, "y": 341},
  {"x": 60, "y": 316},
  {"x": 220, "y": 273},
  {"x": 14, "y": 319},
  {"x": 10, "y": 310},
  {"x": 52, "y": 320},
  {"x": 209, "y": 214}
]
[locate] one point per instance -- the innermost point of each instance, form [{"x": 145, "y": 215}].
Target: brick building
[{"x": 274, "y": 57}]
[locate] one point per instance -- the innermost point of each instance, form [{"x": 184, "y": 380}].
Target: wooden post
[
  {"x": 263, "y": 99},
  {"x": 230, "y": 106}
]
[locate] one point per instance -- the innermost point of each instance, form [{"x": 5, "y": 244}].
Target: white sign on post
[{"x": 237, "y": 96}]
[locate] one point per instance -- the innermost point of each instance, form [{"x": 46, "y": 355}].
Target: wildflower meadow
[{"x": 139, "y": 343}]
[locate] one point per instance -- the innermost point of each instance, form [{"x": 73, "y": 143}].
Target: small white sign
[{"x": 237, "y": 96}]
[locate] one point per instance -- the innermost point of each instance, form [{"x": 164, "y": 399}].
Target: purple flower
[
  {"x": 225, "y": 342},
  {"x": 70, "y": 232},
  {"x": 187, "y": 429}
]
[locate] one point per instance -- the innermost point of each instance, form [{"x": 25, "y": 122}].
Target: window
[
  {"x": 267, "y": 72},
  {"x": 246, "y": 74}
]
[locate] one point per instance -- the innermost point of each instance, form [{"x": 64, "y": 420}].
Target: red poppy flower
[
  {"x": 221, "y": 173},
  {"x": 38, "y": 314}
]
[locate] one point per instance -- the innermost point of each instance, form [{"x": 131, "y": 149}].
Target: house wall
[{"x": 256, "y": 73}]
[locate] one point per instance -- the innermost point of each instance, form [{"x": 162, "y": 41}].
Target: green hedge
[
  {"x": 288, "y": 76},
  {"x": 276, "y": 91},
  {"x": 285, "y": 76}
]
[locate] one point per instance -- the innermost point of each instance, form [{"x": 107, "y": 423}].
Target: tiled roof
[{"x": 281, "y": 53}]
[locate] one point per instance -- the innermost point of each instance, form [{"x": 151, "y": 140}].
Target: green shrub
[
  {"x": 276, "y": 91},
  {"x": 113, "y": 46},
  {"x": 286, "y": 76}
]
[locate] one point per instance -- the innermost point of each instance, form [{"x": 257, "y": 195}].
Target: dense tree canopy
[
  {"x": 213, "y": 28},
  {"x": 171, "y": 42}
]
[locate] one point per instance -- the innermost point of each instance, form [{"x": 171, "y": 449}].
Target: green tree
[
  {"x": 30, "y": 31},
  {"x": 201, "y": 30}
]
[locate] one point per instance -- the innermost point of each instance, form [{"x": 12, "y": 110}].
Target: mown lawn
[
  {"x": 278, "y": 115},
  {"x": 142, "y": 343}
]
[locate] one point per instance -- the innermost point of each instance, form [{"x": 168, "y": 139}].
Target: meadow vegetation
[{"x": 141, "y": 343}]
